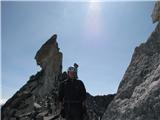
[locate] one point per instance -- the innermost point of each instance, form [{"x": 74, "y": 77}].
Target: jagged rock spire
[
  {"x": 39, "y": 86},
  {"x": 156, "y": 12}
]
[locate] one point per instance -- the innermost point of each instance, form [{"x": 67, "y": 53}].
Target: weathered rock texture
[
  {"x": 156, "y": 12},
  {"x": 38, "y": 98},
  {"x": 96, "y": 105},
  {"x": 40, "y": 85},
  {"x": 138, "y": 96}
]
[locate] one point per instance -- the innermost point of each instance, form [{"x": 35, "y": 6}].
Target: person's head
[{"x": 72, "y": 72}]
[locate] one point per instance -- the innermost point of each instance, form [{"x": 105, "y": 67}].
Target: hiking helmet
[{"x": 73, "y": 69}]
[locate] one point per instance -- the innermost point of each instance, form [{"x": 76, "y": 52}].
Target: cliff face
[
  {"x": 50, "y": 60},
  {"x": 138, "y": 96},
  {"x": 40, "y": 85}
]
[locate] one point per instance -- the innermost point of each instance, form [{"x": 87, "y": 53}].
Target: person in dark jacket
[{"x": 72, "y": 94}]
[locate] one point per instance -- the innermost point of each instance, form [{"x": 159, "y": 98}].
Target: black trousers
[{"x": 73, "y": 111}]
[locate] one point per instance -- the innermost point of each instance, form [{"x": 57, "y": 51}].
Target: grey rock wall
[
  {"x": 138, "y": 95},
  {"x": 40, "y": 85}
]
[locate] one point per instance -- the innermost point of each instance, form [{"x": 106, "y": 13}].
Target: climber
[{"x": 72, "y": 95}]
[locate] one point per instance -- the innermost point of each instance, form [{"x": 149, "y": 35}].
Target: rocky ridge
[
  {"x": 37, "y": 99},
  {"x": 138, "y": 95}
]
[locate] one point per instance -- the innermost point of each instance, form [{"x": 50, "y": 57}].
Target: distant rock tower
[{"x": 40, "y": 86}]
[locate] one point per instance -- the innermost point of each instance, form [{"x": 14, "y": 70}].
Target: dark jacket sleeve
[
  {"x": 61, "y": 92},
  {"x": 83, "y": 92}
]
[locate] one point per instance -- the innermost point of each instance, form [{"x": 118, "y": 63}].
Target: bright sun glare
[
  {"x": 94, "y": 6},
  {"x": 94, "y": 20}
]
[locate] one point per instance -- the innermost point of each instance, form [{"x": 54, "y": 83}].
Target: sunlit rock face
[
  {"x": 138, "y": 96},
  {"x": 40, "y": 86},
  {"x": 50, "y": 60}
]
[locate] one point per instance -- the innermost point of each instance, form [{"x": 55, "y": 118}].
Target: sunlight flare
[{"x": 94, "y": 23}]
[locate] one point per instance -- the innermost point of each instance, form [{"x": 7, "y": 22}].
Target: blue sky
[{"x": 100, "y": 37}]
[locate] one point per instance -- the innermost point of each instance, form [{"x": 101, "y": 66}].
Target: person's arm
[{"x": 83, "y": 92}]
